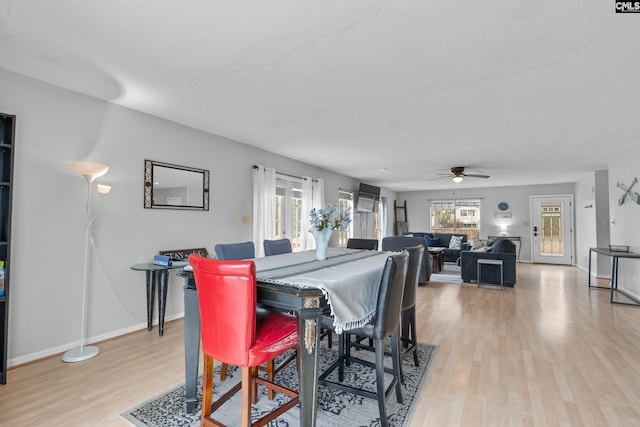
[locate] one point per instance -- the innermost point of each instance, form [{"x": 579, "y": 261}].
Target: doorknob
[{"x": 535, "y": 231}]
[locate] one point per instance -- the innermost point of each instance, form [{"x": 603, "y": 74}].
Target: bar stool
[{"x": 491, "y": 262}]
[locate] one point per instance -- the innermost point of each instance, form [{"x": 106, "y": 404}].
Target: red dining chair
[{"x": 234, "y": 332}]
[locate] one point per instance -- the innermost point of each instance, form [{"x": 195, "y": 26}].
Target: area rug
[
  {"x": 335, "y": 408},
  {"x": 450, "y": 273}
]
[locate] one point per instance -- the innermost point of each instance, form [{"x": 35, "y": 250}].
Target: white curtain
[
  {"x": 264, "y": 208},
  {"x": 312, "y": 197},
  {"x": 383, "y": 218},
  {"x": 318, "y": 194}
]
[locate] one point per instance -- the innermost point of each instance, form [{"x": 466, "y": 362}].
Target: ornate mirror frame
[{"x": 182, "y": 187}]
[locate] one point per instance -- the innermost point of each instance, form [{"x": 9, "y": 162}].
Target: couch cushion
[
  {"x": 504, "y": 246},
  {"x": 432, "y": 241},
  {"x": 455, "y": 242},
  {"x": 479, "y": 246}
]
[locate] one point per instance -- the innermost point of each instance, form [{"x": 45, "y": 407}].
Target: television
[{"x": 368, "y": 195}]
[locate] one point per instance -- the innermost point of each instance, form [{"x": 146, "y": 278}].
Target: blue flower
[{"x": 330, "y": 217}]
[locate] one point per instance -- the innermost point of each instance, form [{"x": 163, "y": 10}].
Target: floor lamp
[{"x": 90, "y": 171}]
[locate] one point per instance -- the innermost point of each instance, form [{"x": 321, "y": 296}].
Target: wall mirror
[{"x": 168, "y": 186}]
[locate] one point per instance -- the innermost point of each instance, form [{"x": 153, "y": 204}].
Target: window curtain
[
  {"x": 264, "y": 209},
  {"x": 383, "y": 218},
  {"x": 312, "y": 197}
]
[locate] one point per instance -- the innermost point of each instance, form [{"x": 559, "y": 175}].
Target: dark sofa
[
  {"x": 443, "y": 239},
  {"x": 398, "y": 243},
  {"x": 503, "y": 249}
]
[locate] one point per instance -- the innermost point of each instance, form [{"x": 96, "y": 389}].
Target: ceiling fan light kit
[{"x": 457, "y": 174}]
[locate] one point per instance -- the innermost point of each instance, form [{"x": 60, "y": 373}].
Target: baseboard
[{"x": 43, "y": 354}]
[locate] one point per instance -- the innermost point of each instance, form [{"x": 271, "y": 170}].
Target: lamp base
[{"x": 81, "y": 353}]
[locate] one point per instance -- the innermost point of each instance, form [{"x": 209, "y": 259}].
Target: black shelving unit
[{"x": 7, "y": 140}]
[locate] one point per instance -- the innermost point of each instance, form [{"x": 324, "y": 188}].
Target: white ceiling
[{"x": 529, "y": 92}]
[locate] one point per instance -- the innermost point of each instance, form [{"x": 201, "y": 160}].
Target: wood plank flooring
[{"x": 548, "y": 352}]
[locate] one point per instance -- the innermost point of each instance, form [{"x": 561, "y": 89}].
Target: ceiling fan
[{"x": 457, "y": 174}]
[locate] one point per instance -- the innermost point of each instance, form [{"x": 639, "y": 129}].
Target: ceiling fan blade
[
  {"x": 440, "y": 177},
  {"x": 475, "y": 175}
]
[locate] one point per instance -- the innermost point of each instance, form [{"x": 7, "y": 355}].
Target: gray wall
[
  {"x": 592, "y": 222},
  {"x": 56, "y": 127},
  {"x": 626, "y": 219},
  {"x": 516, "y": 197}
]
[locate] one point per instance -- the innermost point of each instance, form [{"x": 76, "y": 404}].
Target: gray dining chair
[
  {"x": 235, "y": 251},
  {"x": 385, "y": 324},
  {"x": 408, "y": 321},
  {"x": 370, "y": 244},
  {"x": 277, "y": 247}
]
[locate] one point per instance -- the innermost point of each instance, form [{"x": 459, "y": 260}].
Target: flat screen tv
[
  {"x": 366, "y": 203},
  {"x": 368, "y": 195}
]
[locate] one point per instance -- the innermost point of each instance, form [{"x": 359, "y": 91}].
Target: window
[
  {"x": 345, "y": 201},
  {"x": 551, "y": 229},
  {"x": 456, "y": 216},
  {"x": 288, "y": 215}
]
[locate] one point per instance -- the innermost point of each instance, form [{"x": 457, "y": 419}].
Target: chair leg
[
  {"x": 414, "y": 339},
  {"x": 223, "y": 371},
  {"x": 397, "y": 363},
  {"x": 341, "y": 355},
  {"x": 270, "y": 375},
  {"x": 247, "y": 391},
  {"x": 207, "y": 387},
  {"x": 382, "y": 406},
  {"x": 248, "y": 388}
]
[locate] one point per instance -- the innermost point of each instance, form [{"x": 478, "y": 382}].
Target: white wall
[
  {"x": 56, "y": 127},
  {"x": 516, "y": 197}
]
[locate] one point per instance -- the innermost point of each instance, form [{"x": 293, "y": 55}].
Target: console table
[
  {"x": 157, "y": 277},
  {"x": 615, "y": 256}
]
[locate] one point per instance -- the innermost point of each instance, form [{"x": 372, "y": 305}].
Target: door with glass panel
[{"x": 552, "y": 229}]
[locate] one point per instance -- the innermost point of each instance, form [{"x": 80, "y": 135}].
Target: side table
[
  {"x": 497, "y": 262},
  {"x": 438, "y": 259},
  {"x": 157, "y": 276}
]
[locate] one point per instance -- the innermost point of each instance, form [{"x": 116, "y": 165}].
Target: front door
[{"x": 552, "y": 229}]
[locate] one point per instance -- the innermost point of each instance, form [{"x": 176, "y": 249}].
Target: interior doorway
[{"x": 552, "y": 229}]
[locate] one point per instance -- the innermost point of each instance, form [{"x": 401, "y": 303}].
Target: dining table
[{"x": 347, "y": 282}]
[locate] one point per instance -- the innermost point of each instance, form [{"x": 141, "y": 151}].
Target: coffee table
[{"x": 438, "y": 259}]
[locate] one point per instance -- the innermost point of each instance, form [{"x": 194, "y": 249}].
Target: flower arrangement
[{"x": 331, "y": 217}]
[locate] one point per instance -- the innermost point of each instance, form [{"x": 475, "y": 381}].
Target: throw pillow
[
  {"x": 478, "y": 245},
  {"x": 432, "y": 241},
  {"x": 455, "y": 242}
]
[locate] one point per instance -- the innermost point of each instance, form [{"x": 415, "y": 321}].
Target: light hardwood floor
[{"x": 548, "y": 352}]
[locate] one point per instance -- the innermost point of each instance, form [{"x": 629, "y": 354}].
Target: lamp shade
[
  {"x": 104, "y": 189},
  {"x": 90, "y": 169},
  {"x": 457, "y": 178}
]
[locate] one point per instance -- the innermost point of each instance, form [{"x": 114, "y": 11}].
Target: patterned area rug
[{"x": 334, "y": 408}]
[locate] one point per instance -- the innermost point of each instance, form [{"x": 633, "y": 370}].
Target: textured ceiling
[{"x": 527, "y": 92}]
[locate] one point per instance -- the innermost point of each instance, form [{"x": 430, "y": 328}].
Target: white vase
[{"x": 322, "y": 238}]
